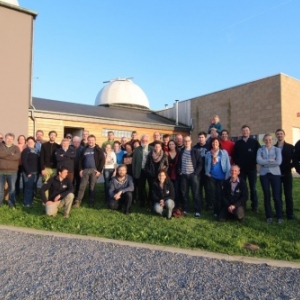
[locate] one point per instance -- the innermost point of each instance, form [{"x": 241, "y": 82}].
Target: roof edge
[{"x": 18, "y": 8}]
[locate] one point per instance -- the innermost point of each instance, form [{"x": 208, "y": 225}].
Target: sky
[{"x": 173, "y": 49}]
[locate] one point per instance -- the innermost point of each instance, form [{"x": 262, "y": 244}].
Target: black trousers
[
  {"x": 287, "y": 184},
  {"x": 124, "y": 203},
  {"x": 144, "y": 198}
]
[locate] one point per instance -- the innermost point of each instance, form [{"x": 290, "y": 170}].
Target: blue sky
[{"x": 173, "y": 49}]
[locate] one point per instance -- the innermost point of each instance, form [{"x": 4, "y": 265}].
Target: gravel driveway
[{"x": 47, "y": 267}]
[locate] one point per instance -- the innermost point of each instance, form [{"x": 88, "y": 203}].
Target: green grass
[{"x": 275, "y": 241}]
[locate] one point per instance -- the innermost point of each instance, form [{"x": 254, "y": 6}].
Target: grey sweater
[{"x": 116, "y": 186}]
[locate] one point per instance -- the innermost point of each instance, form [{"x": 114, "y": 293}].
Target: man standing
[
  {"x": 9, "y": 161},
  {"x": 120, "y": 190},
  {"x": 179, "y": 141},
  {"x": 84, "y": 141},
  {"x": 202, "y": 147},
  {"x": 60, "y": 190},
  {"x": 110, "y": 140},
  {"x": 123, "y": 143},
  {"x": 65, "y": 157},
  {"x": 48, "y": 159},
  {"x": 287, "y": 152},
  {"x": 78, "y": 150},
  {"x": 39, "y": 140},
  {"x": 235, "y": 195},
  {"x": 91, "y": 165},
  {"x": 156, "y": 137},
  {"x": 166, "y": 139},
  {"x": 244, "y": 155},
  {"x": 189, "y": 169},
  {"x": 138, "y": 168}
]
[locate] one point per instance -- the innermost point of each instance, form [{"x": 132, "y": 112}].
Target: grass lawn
[{"x": 275, "y": 241}]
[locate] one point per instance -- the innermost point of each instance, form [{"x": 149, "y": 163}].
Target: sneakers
[
  {"x": 185, "y": 213},
  {"x": 197, "y": 215},
  {"x": 66, "y": 215},
  {"x": 269, "y": 220},
  {"x": 280, "y": 221}
]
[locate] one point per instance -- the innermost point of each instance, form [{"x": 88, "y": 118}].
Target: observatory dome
[
  {"x": 13, "y": 2},
  {"x": 124, "y": 92}
]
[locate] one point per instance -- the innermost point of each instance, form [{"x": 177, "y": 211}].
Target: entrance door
[
  {"x": 74, "y": 131},
  {"x": 296, "y": 135}
]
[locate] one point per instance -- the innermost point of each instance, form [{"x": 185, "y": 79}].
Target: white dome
[
  {"x": 122, "y": 91},
  {"x": 13, "y": 2}
]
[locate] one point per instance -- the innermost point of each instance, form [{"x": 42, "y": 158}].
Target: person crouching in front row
[
  {"x": 163, "y": 194},
  {"x": 234, "y": 196},
  {"x": 120, "y": 190},
  {"x": 60, "y": 193}
]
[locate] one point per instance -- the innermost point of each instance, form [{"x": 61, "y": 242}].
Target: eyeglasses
[{"x": 69, "y": 137}]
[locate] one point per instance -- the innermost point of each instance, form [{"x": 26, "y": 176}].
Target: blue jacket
[
  {"x": 225, "y": 163},
  {"x": 269, "y": 161}
]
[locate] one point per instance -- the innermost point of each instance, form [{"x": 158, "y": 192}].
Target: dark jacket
[
  {"x": 244, "y": 154},
  {"x": 9, "y": 158},
  {"x": 116, "y": 186},
  {"x": 240, "y": 194},
  {"x": 287, "y": 154},
  {"x": 196, "y": 160},
  {"x": 152, "y": 168},
  {"x": 99, "y": 158},
  {"x": 137, "y": 159},
  {"x": 66, "y": 158},
  {"x": 162, "y": 194},
  {"x": 56, "y": 187},
  {"x": 296, "y": 157},
  {"x": 77, "y": 157},
  {"x": 202, "y": 151},
  {"x": 48, "y": 159},
  {"x": 30, "y": 160}
]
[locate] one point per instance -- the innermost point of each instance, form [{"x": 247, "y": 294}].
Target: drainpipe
[{"x": 176, "y": 111}]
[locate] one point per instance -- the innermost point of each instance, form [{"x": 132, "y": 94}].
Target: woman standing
[
  {"x": 157, "y": 160},
  {"x": 173, "y": 156},
  {"x": 269, "y": 158},
  {"x": 163, "y": 194},
  {"x": 21, "y": 145},
  {"x": 217, "y": 169},
  {"x": 30, "y": 161},
  {"x": 109, "y": 168}
]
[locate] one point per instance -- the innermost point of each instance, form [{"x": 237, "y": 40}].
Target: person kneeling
[
  {"x": 60, "y": 193},
  {"x": 163, "y": 194},
  {"x": 120, "y": 190},
  {"x": 235, "y": 195}
]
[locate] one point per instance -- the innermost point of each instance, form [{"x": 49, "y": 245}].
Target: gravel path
[{"x": 47, "y": 267}]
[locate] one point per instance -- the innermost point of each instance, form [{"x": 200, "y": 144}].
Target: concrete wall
[
  {"x": 15, "y": 68},
  {"x": 257, "y": 104}
]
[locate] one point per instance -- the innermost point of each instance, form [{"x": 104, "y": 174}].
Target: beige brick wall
[
  {"x": 290, "y": 92},
  {"x": 256, "y": 104},
  {"x": 47, "y": 124}
]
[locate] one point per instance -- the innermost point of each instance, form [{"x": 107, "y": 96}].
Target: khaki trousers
[
  {"x": 53, "y": 207},
  {"x": 49, "y": 173}
]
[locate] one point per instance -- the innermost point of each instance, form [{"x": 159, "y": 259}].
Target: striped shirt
[{"x": 187, "y": 164}]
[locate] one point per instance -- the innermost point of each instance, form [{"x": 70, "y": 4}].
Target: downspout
[{"x": 176, "y": 111}]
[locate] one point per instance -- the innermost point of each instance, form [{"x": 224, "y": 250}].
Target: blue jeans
[
  {"x": 190, "y": 181},
  {"x": 252, "y": 177},
  {"x": 29, "y": 187},
  {"x": 107, "y": 174},
  {"x": 273, "y": 181},
  {"x": 11, "y": 181}
]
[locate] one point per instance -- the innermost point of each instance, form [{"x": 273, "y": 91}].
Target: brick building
[{"x": 265, "y": 105}]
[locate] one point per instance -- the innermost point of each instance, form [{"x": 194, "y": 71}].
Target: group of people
[{"x": 215, "y": 170}]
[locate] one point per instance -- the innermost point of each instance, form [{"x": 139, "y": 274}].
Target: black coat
[
  {"x": 196, "y": 160},
  {"x": 287, "y": 158},
  {"x": 296, "y": 157},
  {"x": 152, "y": 168},
  {"x": 240, "y": 194},
  {"x": 66, "y": 158},
  {"x": 166, "y": 193},
  {"x": 48, "y": 159}
]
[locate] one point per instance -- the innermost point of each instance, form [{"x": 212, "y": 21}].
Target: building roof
[
  {"x": 122, "y": 91},
  {"x": 119, "y": 113}
]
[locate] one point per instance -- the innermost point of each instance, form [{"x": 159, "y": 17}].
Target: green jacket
[{"x": 108, "y": 142}]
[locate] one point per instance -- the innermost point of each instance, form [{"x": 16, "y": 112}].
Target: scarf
[
  {"x": 157, "y": 157},
  {"x": 214, "y": 154}
]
